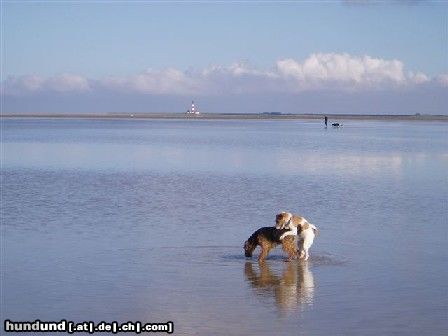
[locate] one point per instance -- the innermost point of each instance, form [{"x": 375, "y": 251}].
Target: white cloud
[
  {"x": 418, "y": 78},
  {"x": 167, "y": 81},
  {"x": 319, "y": 71},
  {"x": 67, "y": 82},
  {"x": 34, "y": 83},
  {"x": 442, "y": 79}
]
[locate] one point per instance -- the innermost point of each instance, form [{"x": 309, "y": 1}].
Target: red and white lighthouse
[{"x": 193, "y": 109}]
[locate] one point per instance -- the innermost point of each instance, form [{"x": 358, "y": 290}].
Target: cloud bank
[
  {"x": 34, "y": 83},
  {"x": 321, "y": 83},
  {"x": 320, "y": 71}
]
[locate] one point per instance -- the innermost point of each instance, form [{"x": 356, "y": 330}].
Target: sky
[{"x": 358, "y": 56}]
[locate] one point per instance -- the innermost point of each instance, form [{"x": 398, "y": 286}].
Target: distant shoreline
[{"x": 229, "y": 116}]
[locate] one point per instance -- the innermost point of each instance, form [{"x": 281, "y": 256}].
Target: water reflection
[
  {"x": 292, "y": 290},
  {"x": 219, "y": 147}
]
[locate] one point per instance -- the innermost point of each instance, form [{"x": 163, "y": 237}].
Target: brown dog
[{"x": 268, "y": 238}]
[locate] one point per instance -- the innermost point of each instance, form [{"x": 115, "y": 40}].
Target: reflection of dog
[
  {"x": 304, "y": 229},
  {"x": 268, "y": 238},
  {"x": 292, "y": 289}
]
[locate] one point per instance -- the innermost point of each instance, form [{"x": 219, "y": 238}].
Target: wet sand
[
  {"x": 230, "y": 116},
  {"x": 144, "y": 220}
]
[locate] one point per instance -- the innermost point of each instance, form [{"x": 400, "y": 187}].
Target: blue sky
[{"x": 128, "y": 47}]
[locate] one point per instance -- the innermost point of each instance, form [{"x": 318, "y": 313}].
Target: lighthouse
[{"x": 193, "y": 109}]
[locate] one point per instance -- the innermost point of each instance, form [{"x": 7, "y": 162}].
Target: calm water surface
[{"x": 145, "y": 220}]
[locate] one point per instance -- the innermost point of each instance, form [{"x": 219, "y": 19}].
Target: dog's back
[{"x": 270, "y": 233}]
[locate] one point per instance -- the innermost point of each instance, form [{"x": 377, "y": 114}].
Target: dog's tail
[{"x": 315, "y": 229}]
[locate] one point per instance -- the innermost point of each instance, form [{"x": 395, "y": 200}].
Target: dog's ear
[
  {"x": 281, "y": 214},
  {"x": 279, "y": 224}
]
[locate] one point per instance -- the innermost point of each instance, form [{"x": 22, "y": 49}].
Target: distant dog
[
  {"x": 305, "y": 231},
  {"x": 268, "y": 238}
]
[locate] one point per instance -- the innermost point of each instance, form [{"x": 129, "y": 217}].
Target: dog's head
[
  {"x": 249, "y": 248},
  {"x": 282, "y": 219}
]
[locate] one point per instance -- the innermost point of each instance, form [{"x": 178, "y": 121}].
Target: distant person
[{"x": 326, "y": 121}]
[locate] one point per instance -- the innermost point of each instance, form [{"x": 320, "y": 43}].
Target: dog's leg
[
  {"x": 289, "y": 247},
  {"x": 292, "y": 232},
  {"x": 306, "y": 254},
  {"x": 302, "y": 254},
  {"x": 265, "y": 248},
  {"x": 288, "y": 233},
  {"x": 307, "y": 243},
  {"x": 300, "y": 248}
]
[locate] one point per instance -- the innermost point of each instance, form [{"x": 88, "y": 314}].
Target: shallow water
[{"x": 145, "y": 220}]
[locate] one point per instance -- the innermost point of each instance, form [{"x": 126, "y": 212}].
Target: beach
[
  {"x": 230, "y": 116},
  {"x": 145, "y": 220}
]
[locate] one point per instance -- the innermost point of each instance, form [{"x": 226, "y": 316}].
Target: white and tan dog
[{"x": 299, "y": 226}]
